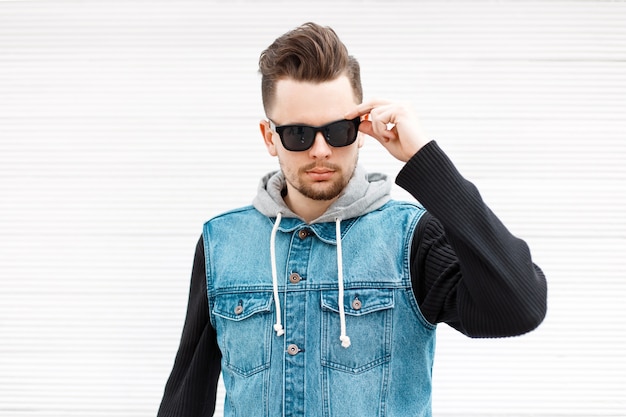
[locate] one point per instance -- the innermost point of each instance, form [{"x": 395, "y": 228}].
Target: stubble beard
[{"x": 318, "y": 191}]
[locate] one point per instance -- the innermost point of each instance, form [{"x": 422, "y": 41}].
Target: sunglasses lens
[
  {"x": 297, "y": 138},
  {"x": 341, "y": 133}
]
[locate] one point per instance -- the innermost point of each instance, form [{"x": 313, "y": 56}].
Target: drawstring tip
[
  {"x": 345, "y": 341},
  {"x": 279, "y": 329}
]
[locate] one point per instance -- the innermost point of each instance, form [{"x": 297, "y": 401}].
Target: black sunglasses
[{"x": 298, "y": 138}]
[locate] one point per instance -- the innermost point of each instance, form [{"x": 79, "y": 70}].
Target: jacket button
[
  {"x": 303, "y": 234},
  {"x": 238, "y": 310},
  {"x": 293, "y": 349},
  {"x": 356, "y": 304},
  {"x": 295, "y": 278}
]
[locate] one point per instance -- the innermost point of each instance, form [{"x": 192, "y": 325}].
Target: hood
[{"x": 364, "y": 193}]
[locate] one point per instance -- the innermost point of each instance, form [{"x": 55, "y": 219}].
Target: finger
[
  {"x": 366, "y": 127},
  {"x": 373, "y": 129},
  {"x": 382, "y": 136},
  {"x": 365, "y": 108},
  {"x": 383, "y": 120}
]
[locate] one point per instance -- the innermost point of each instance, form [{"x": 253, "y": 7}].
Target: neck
[{"x": 305, "y": 207}]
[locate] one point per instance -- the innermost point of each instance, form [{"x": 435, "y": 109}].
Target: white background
[{"x": 124, "y": 125}]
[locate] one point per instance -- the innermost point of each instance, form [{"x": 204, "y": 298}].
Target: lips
[{"x": 320, "y": 174}]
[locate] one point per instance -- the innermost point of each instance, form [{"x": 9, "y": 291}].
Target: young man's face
[{"x": 322, "y": 171}]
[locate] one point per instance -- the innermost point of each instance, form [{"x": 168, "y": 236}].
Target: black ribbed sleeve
[
  {"x": 192, "y": 386},
  {"x": 468, "y": 270}
]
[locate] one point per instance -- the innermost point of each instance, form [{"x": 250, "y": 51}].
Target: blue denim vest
[{"x": 387, "y": 369}]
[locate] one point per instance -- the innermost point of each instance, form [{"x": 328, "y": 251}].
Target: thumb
[{"x": 367, "y": 127}]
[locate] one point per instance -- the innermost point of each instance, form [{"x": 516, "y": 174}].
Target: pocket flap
[
  {"x": 358, "y": 301},
  {"x": 242, "y": 305}
]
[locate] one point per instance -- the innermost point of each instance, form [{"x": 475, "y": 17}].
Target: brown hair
[{"x": 309, "y": 52}]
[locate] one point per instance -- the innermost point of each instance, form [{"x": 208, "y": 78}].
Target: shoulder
[
  {"x": 242, "y": 219},
  {"x": 399, "y": 207},
  {"x": 245, "y": 211},
  {"x": 394, "y": 215}
]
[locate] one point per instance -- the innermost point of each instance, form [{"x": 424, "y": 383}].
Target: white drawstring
[
  {"x": 278, "y": 327},
  {"x": 345, "y": 340}
]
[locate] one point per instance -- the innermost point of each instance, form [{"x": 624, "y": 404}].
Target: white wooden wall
[{"x": 125, "y": 124}]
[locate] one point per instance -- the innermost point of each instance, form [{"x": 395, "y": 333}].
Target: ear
[{"x": 268, "y": 137}]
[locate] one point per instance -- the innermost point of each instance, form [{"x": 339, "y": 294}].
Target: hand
[{"x": 394, "y": 125}]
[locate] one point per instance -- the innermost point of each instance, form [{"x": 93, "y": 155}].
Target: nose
[{"x": 320, "y": 149}]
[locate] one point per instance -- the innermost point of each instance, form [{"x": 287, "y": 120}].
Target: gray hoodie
[{"x": 364, "y": 193}]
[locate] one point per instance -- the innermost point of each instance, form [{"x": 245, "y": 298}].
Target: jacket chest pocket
[
  {"x": 368, "y": 324},
  {"x": 243, "y": 326}
]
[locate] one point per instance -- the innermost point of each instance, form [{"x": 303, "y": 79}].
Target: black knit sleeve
[
  {"x": 467, "y": 269},
  {"x": 191, "y": 388}
]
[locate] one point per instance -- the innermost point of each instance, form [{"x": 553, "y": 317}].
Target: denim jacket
[{"x": 319, "y": 319}]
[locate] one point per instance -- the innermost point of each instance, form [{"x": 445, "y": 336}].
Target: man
[{"x": 321, "y": 299}]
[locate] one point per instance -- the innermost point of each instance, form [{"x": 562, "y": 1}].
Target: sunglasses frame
[{"x": 324, "y": 129}]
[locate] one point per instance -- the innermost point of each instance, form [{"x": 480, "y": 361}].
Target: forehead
[{"x": 314, "y": 103}]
